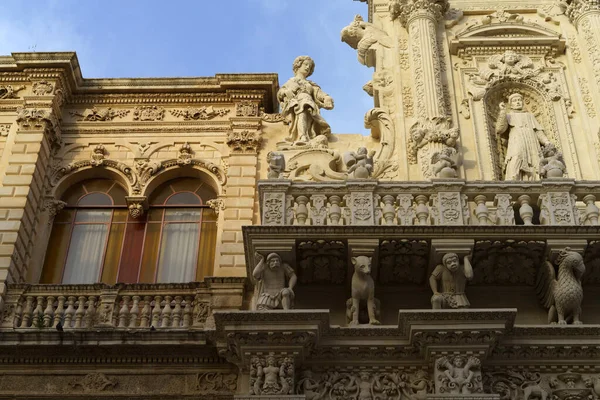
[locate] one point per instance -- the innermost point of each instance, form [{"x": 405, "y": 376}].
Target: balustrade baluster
[
  {"x": 481, "y": 211},
  {"x": 422, "y": 210},
  {"x": 335, "y": 211},
  {"x": 187, "y": 312},
  {"x": 60, "y": 311},
  {"x": 80, "y": 311},
  {"x": 526, "y": 211},
  {"x": 70, "y": 312},
  {"x": 166, "y": 313},
  {"x": 301, "y": 210},
  {"x": 18, "y": 314},
  {"x": 156, "y": 311},
  {"x": 49, "y": 311},
  {"x": 146, "y": 312},
  {"x": 134, "y": 312},
  {"x": 177, "y": 312},
  {"x": 124, "y": 312},
  {"x": 388, "y": 210},
  {"x": 27, "y": 312},
  {"x": 38, "y": 313},
  {"x": 591, "y": 210},
  {"x": 90, "y": 312}
]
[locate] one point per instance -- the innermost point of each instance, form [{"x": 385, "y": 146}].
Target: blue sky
[{"x": 127, "y": 38}]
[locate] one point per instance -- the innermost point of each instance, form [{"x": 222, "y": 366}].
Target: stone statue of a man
[
  {"x": 525, "y": 135},
  {"x": 301, "y": 100},
  {"x": 271, "y": 291},
  {"x": 453, "y": 278}
]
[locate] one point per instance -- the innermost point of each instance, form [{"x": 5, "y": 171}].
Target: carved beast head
[{"x": 362, "y": 264}]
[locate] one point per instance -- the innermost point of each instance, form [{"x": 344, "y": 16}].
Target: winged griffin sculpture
[{"x": 562, "y": 296}]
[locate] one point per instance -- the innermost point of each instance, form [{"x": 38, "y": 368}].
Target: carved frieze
[
  {"x": 272, "y": 375},
  {"x": 450, "y": 208},
  {"x": 42, "y": 88},
  {"x": 364, "y": 384},
  {"x": 4, "y": 129},
  {"x": 99, "y": 114},
  {"x": 216, "y": 382},
  {"x": 322, "y": 261},
  {"x": 148, "y": 113},
  {"x": 95, "y": 382},
  {"x": 507, "y": 262},
  {"x": 458, "y": 374},
  {"x": 9, "y": 92},
  {"x": 200, "y": 113},
  {"x": 403, "y": 261},
  {"x": 246, "y": 109}
]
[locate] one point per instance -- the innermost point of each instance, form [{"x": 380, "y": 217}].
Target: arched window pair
[{"x": 94, "y": 239}]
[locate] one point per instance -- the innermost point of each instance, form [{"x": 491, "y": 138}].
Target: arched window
[{"x": 94, "y": 238}]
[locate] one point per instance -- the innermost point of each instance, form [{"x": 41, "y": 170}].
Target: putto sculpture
[
  {"x": 276, "y": 162},
  {"x": 562, "y": 296},
  {"x": 364, "y": 36},
  {"x": 453, "y": 278},
  {"x": 359, "y": 163},
  {"x": 275, "y": 281},
  {"x": 525, "y": 135},
  {"x": 552, "y": 164},
  {"x": 363, "y": 293},
  {"x": 301, "y": 100}
]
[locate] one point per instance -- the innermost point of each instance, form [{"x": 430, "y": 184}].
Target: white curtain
[
  {"x": 179, "y": 246},
  {"x": 86, "y": 250}
]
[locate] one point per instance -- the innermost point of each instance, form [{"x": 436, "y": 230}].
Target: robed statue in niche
[
  {"x": 524, "y": 137},
  {"x": 301, "y": 100}
]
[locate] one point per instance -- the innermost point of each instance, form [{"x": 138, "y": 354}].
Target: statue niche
[{"x": 517, "y": 150}]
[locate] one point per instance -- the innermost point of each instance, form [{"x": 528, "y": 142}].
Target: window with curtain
[{"x": 95, "y": 240}]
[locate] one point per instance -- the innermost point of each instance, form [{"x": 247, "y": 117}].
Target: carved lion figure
[
  {"x": 363, "y": 290},
  {"x": 562, "y": 296}
]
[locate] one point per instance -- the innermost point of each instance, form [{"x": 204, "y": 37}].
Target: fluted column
[{"x": 432, "y": 133}]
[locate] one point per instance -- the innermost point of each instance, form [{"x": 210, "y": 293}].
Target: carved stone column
[
  {"x": 585, "y": 15},
  {"x": 432, "y": 133}
]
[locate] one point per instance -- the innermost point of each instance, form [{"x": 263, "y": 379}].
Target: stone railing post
[
  {"x": 362, "y": 202},
  {"x": 273, "y": 202},
  {"x": 449, "y": 205},
  {"x": 558, "y": 205}
]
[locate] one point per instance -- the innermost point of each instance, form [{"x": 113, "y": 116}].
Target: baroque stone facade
[{"x": 222, "y": 242}]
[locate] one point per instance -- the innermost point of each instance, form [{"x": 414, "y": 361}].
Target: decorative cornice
[{"x": 406, "y": 10}]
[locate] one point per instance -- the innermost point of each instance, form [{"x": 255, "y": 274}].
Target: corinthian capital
[
  {"x": 575, "y": 9},
  {"x": 407, "y": 9}
]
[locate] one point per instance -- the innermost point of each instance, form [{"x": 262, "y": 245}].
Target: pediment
[{"x": 508, "y": 34}]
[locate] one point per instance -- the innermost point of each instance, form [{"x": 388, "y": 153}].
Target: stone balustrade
[
  {"x": 439, "y": 202},
  {"x": 123, "y": 306}
]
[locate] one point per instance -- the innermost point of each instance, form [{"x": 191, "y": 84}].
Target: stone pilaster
[{"x": 22, "y": 188}]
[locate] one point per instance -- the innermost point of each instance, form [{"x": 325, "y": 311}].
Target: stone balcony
[
  {"x": 119, "y": 307},
  {"x": 439, "y": 202}
]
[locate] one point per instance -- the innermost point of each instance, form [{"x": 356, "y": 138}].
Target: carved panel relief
[{"x": 403, "y": 261}]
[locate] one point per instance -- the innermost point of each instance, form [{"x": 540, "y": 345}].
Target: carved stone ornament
[
  {"x": 448, "y": 282},
  {"x": 404, "y": 10},
  {"x": 148, "y": 113},
  {"x": 53, "y": 206},
  {"x": 98, "y": 155},
  {"x": 31, "y": 118},
  {"x": 272, "y": 375},
  {"x": 246, "y": 109},
  {"x": 458, "y": 374},
  {"x": 216, "y": 204},
  {"x": 359, "y": 164},
  {"x": 562, "y": 295},
  {"x": 428, "y": 137},
  {"x": 200, "y": 113},
  {"x": 95, "y": 382},
  {"x": 275, "y": 281},
  {"x": 322, "y": 262},
  {"x": 364, "y": 37},
  {"x": 552, "y": 164},
  {"x": 515, "y": 384},
  {"x": 9, "y": 92},
  {"x": 201, "y": 311},
  {"x": 99, "y": 114},
  {"x": 184, "y": 155},
  {"x": 364, "y": 384},
  {"x": 276, "y": 167},
  {"x": 4, "y": 129},
  {"x": 136, "y": 205},
  {"x": 273, "y": 209},
  {"x": 244, "y": 142},
  {"x": 42, "y": 88},
  {"x": 362, "y": 307},
  {"x": 575, "y": 9},
  {"x": 216, "y": 382},
  {"x": 403, "y": 261}
]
